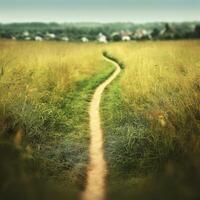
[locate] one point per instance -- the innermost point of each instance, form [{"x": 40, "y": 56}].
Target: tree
[
  {"x": 197, "y": 30},
  {"x": 155, "y": 33},
  {"x": 116, "y": 37}
]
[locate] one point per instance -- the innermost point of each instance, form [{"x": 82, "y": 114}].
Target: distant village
[{"x": 167, "y": 32}]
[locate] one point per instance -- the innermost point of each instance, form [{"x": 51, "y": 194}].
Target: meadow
[
  {"x": 151, "y": 121},
  {"x": 150, "y": 117},
  {"x": 45, "y": 89}
]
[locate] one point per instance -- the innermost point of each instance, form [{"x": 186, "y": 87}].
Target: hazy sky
[{"x": 99, "y": 10}]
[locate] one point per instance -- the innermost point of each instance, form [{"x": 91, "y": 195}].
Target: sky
[{"x": 99, "y": 10}]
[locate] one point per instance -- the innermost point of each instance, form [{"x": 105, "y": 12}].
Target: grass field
[
  {"x": 151, "y": 118},
  {"x": 45, "y": 90}
]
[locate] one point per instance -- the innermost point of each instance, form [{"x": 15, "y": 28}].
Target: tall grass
[
  {"x": 150, "y": 114},
  {"x": 152, "y": 118},
  {"x": 45, "y": 90},
  {"x": 35, "y": 76}
]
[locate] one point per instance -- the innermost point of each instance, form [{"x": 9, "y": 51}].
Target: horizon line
[{"x": 102, "y": 22}]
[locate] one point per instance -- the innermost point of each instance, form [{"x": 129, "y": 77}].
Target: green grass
[
  {"x": 130, "y": 145},
  {"x": 69, "y": 148},
  {"x": 58, "y": 137},
  {"x": 144, "y": 163},
  {"x": 150, "y": 119}
]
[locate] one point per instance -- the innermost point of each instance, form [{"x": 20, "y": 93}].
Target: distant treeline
[{"x": 91, "y": 31}]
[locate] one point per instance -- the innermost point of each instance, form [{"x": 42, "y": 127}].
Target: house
[
  {"x": 142, "y": 34},
  {"x": 50, "y": 35},
  {"x": 126, "y": 38},
  {"x": 25, "y": 33},
  {"x": 84, "y": 39},
  {"x": 38, "y": 38},
  {"x": 27, "y": 38},
  {"x": 125, "y": 35},
  {"x": 102, "y": 38},
  {"x": 66, "y": 39}
]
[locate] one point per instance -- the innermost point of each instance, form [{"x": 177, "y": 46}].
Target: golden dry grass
[
  {"x": 42, "y": 72},
  {"x": 64, "y": 62},
  {"x": 152, "y": 120},
  {"x": 45, "y": 89},
  {"x": 161, "y": 80},
  {"x": 160, "y": 83}
]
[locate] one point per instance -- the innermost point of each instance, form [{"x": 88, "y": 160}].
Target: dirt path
[{"x": 97, "y": 170}]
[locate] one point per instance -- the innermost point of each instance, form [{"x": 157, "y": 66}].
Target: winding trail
[{"x": 97, "y": 169}]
